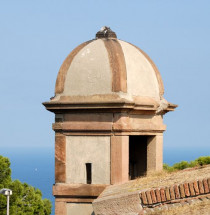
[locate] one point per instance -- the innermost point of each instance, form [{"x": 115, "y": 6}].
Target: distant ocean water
[{"x": 35, "y": 166}]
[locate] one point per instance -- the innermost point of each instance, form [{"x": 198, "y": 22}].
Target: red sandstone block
[
  {"x": 208, "y": 182},
  {"x": 152, "y": 193},
  {"x": 149, "y": 199},
  {"x": 144, "y": 198},
  {"x": 141, "y": 212},
  {"x": 172, "y": 194},
  {"x": 206, "y": 187},
  {"x": 162, "y": 195},
  {"x": 167, "y": 192},
  {"x": 158, "y": 197},
  {"x": 186, "y": 189},
  {"x": 181, "y": 189},
  {"x": 176, "y": 190},
  {"x": 192, "y": 191},
  {"x": 201, "y": 188},
  {"x": 195, "y": 185}
]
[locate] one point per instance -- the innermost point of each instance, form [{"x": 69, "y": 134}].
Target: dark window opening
[
  {"x": 89, "y": 173},
  {"x": 137, "y": 156}
]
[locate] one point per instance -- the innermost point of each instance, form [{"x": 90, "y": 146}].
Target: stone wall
[{"x": 146, "y": 201}]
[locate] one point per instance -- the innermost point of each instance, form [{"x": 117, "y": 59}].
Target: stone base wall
[{"x": 151, "y": 199}]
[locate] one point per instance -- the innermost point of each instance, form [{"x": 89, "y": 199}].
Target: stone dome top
[{"x": 111, "y": 70}]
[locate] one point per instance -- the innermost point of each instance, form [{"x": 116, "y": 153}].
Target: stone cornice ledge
[
  {"x": 77, "y": 190},
  {"x": 58, "y": 107}
]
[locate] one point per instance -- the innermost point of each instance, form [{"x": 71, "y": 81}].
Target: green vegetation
[
  {"x": 25, "y": 199},
  {"x": 184, "y": 164}
]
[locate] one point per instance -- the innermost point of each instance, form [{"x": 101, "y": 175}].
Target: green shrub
[
  {"x": 168, "y": 168},
  {"x": 181, "y": 165},
  {"x": 204, "y": 160},
  {"x": 193, "y": 163}
]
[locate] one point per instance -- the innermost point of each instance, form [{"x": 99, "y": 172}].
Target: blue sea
[{"x": 35, "y": 166}]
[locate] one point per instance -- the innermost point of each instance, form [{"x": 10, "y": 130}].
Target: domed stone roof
[{"x": 107, "y": 69}]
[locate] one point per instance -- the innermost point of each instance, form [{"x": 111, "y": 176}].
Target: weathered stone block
[
  {"x": 195, "y": 185},
  {"x": 144, "y": 198},
  {"x": 157, "y": 191},
  {"x": 192, "y": 191},
  {"x": 60, "y": 158},
  {"x": 176, "y": 190},
  {"x": 167, "y": 192},
  {"x": 201, "y": 188},
  {"x": 152, "y": 193},
  {"x": 206, "y": 187},
  {"x": 128, "y": 203},
  {"x": 208, "y": 182},
  {"x": 149, "y": 198},
  {"x": 172, "y": 194},
  {"x": 60, "y": 208},
  {"x": 186, "y": 189},
  {"x": 181, "y": 189},
  {"x": 162, "y": 194}
]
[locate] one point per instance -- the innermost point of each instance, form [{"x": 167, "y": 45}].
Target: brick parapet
[
  {"x": 155, "y": 199},
  {"x": 173, "y": 204},
  {"x": 174, "y": 193}
]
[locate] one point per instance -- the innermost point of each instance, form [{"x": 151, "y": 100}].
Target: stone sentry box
[{"x": 109, "y": 109}]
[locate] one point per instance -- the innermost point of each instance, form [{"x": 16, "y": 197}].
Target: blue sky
[{"x": 36, "y": 36}]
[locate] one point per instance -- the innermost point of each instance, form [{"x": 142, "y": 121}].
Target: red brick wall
[{"x": 175, "y": 192}]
